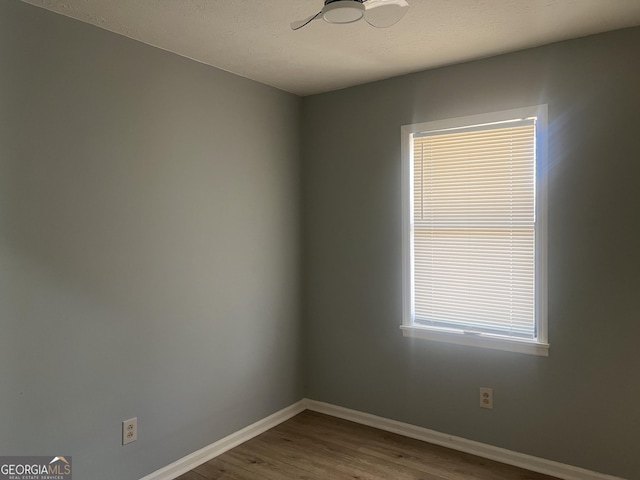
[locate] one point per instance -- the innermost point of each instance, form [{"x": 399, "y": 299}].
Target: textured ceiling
[{"x": 252, "y": 38}]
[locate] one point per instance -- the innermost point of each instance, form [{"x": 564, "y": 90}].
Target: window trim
[{"x": 537, "y": 346}]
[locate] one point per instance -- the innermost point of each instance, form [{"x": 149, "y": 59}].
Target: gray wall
[
  {"x": 149, "y": 239},
  {"x": 580, "y": 405}
]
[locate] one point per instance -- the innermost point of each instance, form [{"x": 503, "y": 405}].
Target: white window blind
[{"x": 473, "y": 229}]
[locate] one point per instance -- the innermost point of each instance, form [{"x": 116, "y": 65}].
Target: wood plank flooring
[{"x": 312, "y": 446}]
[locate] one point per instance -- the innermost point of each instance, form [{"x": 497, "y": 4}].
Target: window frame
[{"x": 536, "y": 346}]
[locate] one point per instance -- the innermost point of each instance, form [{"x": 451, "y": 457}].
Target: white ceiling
[{"x": 252, "y": 38}]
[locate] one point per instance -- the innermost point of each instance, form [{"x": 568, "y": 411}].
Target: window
[{"x": 474, "y": 230}]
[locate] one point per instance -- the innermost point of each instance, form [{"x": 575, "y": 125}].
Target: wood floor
[{"x": 312, "y": 446}]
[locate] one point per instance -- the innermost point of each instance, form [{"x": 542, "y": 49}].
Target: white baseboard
[
  {"x": 205, "y": 454},
  {"x": 535, "y": 464}
]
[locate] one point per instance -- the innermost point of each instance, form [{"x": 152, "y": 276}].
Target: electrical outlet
[
  {"x": 486, "y": 397},
  {"x": 130, "y": 430}
]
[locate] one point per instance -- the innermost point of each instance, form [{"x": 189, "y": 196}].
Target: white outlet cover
[
  {"x": 486, "y": 397},
  {"x": 129, "y": 430}
]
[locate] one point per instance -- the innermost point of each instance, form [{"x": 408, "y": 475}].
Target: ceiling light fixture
[
  {"x": 342, "y": 11},
  {"x": 377, "y": 13}
]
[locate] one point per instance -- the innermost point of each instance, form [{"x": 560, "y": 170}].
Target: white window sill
[{"x": 495, "y": 342}]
